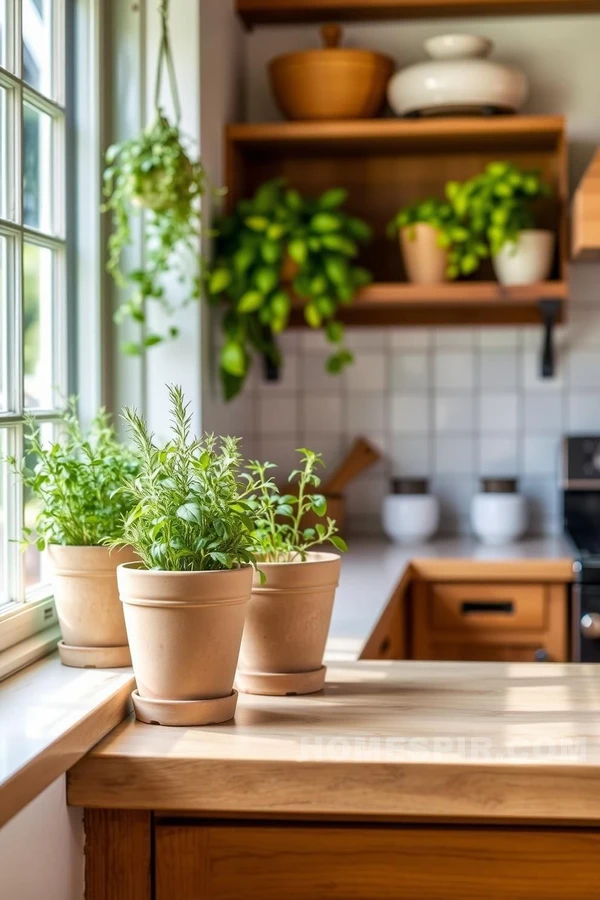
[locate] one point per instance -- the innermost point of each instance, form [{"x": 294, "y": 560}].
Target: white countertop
[{"x": 373, "y": 568}]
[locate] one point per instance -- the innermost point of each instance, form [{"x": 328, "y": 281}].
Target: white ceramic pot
[
  {"x": 526, "y": 261},
  {"x": 410, "y": 518},
  {"x": 498, "y": 518},
  {"x": 459, "y": 79}
]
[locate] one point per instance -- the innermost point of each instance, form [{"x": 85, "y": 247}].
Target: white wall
[
  {"x": 41, "y": 850},
  {"x": 450, "y": 404}
]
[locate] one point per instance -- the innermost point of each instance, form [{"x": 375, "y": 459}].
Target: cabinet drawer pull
[{"x": 506, "y": 607}]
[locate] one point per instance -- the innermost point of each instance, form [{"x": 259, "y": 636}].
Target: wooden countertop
[{"x": 402, "y": 741}]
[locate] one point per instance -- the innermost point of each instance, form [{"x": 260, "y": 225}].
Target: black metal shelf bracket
[{"x": 550, "y": 311}]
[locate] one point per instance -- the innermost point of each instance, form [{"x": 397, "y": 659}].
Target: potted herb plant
[
  {"x": 290, "y": 610},
  {"x": 152, "y": 174},
  {"x": 499, "y": 205},
  {"x": 271, "y": 245},
  {"x": 437, "y": 243},
  {"x": 185, "y": 602},
  {"x": 75, "y": 481},
  {"x": 422, "y": 230}
]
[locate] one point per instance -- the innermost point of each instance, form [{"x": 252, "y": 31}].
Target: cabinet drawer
[{"x": 482, "y": 607}]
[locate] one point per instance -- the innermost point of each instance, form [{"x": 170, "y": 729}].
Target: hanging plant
[
  {"x": 152, "y": 175},
  {"x": 272, "y": 244}
]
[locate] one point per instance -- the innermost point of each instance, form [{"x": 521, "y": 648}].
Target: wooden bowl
[{"x": 332, "y": 83}]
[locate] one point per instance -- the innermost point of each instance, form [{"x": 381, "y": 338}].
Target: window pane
[
  {"x": 3, "y": 33},
  {"x": 37, "y": 168},
  {"x": 3, "y": 531},
  {"x": 37, "y": 35},
  {"x": 3, "y": 154},
  {"x": 37, "y": 327},
  {"x": 3, "y": 324},
  {"x": 35, "y": 566}
]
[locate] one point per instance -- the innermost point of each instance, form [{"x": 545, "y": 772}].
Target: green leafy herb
[
  {"x": 76, "y": 481},
  {"x": 280, "y": 535},
  {"x": 190, "y": 501},
  {"x": 272, "y": 246}
]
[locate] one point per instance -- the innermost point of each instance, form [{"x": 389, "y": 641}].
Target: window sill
[{"x": 51, "y": 716}]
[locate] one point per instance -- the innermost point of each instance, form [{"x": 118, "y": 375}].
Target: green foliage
[
  {"x": 280, "y": 535},
  {"x": 190, "y": 501},
  {"x": 498, "y": 204},
  {"x": 152, "y": 174},
  {"x": 479, "y": 215},
  {"x": 77, "y": 480},
  {"x": 432, "y": 212},
  {"x": 266, "y": 235}
]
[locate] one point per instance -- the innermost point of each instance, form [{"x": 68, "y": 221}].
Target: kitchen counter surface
[
  {"x": 414, "y": 741},
  {"x": 373, "y": 569}
]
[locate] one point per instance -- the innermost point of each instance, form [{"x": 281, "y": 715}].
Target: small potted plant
[
  {"x": 273, "y": 244},
  {"x": 499, "y": 206},
  {"x": 290, "y": 611},
  {"x": 422, "y": 230},
  {"x": 185, "y": 602},
  {"x": 76, "y": 482},
  {"x": 437, "y": 243}
]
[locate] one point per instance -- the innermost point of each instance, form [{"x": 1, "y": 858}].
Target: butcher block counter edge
[{"x": 394, "y": 741}]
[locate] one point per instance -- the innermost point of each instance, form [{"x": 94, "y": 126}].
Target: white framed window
[{"x": 35, "y": 325}]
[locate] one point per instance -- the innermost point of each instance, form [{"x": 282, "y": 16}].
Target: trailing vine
[{"x": 152, "y": 175}]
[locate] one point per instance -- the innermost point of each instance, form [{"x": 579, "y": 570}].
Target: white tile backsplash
[
  {"x": 365, "y": 413},
  {"x": 498, "y": 456},
  {"x": 543, "y": 412},
  {"x": 454, "y": 413},
  {"x": 498, "y": 370},
  {"x": 498, "y": 412},
  {"x": 454, "y": 370},
  {"x": 583, "y": 412},
  {"x": 367, "y": 373},
  {"x": 314, "y": 377},
  {"x": 454, "y": 455},
  {"x": 410, "y": 413},
  {"x": 410, "y": 371},
  {"x": 322, "y": 415},
  {"x": 411, "y": 455},
  {"x": 278, "y": 415}
]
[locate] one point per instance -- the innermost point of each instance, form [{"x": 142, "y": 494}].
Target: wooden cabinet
[
  {"x": 489, "y": 621},
  {"x": 298, "y": 861}
]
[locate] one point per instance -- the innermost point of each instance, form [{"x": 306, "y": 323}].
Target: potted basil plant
[
  {"x": 75, "y": 482},
  {"x": 290, "y": 610},
  {"x": 192, "y": 526}
]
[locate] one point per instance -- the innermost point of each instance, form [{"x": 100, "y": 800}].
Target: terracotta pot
[
  {"x": 86, "y": 594},
  {"x": 332, "y": 83},
  {"x": 424, "y": 260},
  {"x": 287, "y": 625},
  {"x": 184, "y": 630}
]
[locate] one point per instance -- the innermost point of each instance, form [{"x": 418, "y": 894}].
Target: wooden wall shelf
[
  {"x": 264, "y": 12},
  {"x": 586, "y": 215},
  {"x": 456, "y": 303},
  {"x": 386, "y": 163}
]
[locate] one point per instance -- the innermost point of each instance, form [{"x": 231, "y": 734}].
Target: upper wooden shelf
[
  {"x": 265, "y": 12},
  {"x": 586, "y": 214},
  {"x": 466, "y": 132}
]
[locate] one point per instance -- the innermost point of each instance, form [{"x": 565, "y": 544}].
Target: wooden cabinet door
[
  {"x": 490, "y": 622},
  {"x": 289, "y": 861}
]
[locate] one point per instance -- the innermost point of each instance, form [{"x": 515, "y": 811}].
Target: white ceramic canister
[
  {"x": 458, "y": 79},
  {"x": 499, "y": 512},
  {"x": 528, "y": 260},
  {"x": 410, "y": 514}
]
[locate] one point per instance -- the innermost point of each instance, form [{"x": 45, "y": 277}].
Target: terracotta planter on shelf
[
  {"x": 87, "y": 604},
  {"x": 287, "y": 626},
  {"x": 184, "y": 630},
  {"x": 424, "y": 260},
  {"x": 526, "y": 261}
]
